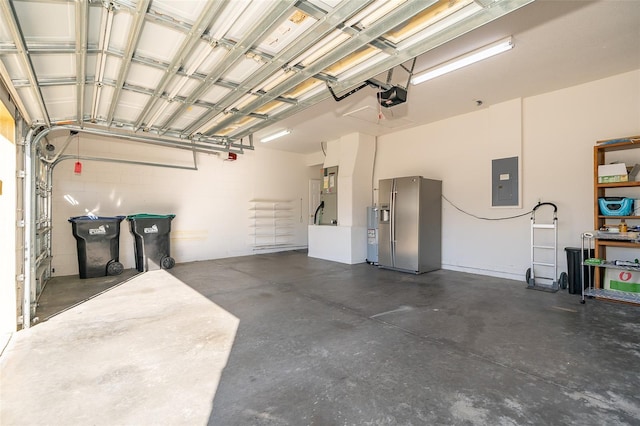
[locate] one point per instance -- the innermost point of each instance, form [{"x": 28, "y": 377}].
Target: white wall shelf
[{"x": 271, "y": 224}]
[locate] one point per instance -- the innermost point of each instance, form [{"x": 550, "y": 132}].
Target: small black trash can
[
  {"x": 152, "y": 245},
  {"x": 573, "y": 269},
  {"x": 98, "y": 244}
]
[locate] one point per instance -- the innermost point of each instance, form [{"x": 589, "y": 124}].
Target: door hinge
[
  {"x": 21, "y": 174},
  {"x": 20, "y": 278},
  {"x": 20, "y": 224}
]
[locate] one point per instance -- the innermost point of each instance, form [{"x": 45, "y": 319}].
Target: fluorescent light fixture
[
  {"x": 464, "y": 60},
  {"x": 277, "y": 135}
]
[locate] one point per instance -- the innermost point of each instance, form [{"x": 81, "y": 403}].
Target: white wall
[
  {"x": 346, "y": 242},
  {"x": 211, "y": 205},
  {"x": 559, "y": 130}
]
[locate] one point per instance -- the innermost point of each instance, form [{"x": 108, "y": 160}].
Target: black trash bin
[
  {"x": 573, "y": 268},
  {"x": 98, "y": 244},
  {"x": 152, "y": 245}
]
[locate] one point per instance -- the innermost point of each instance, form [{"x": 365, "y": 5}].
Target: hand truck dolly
[{"x": 536, "y": 281}]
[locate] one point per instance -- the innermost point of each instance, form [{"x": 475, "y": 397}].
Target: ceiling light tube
[
  {"x": 277, "y": 135},
  {"x": 464, "y": 60}
]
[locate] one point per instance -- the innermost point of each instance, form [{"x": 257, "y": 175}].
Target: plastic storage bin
[
  {"x": 573, "y": 269},
  {"x": 152, "y": 244},
  {"x": 615, "y": 206},
  {"x": 98, "y": 244}
]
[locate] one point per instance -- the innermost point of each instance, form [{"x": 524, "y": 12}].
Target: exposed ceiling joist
[
  {"x": 186, "y": 49},
  {"x": 216, "y": 70},
  {"x": 393, "y": 19},
  {"x": 82, "y": 17},
  {"x": 270, "y": 19},
  {"x": 325, "y": 24},
  {"x": 134, "y": 36},
  {"x": 11, "y": 20}
]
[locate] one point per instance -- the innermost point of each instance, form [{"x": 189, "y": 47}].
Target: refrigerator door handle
[{"x": 393, "y": 224}]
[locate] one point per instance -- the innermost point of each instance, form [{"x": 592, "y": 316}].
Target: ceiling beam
[
  {"x": 45, "y": 48},
  {"x": 187, "y": 48},
  {"x": 82, "y": 17},
  {"x": 5, "y": 78},
  {"x": 270, "y": 19},
  {"x": 392, "y": 20},
  {"x": 132, "y": 42},
  {"x": 478, "y": 19},
  {"x": 321, "y": 28},
  {"x": 104, "y": 35},
  {"x": 11, "y": 19}
]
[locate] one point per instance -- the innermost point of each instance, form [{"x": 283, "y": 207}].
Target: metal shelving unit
[
  {"x": 272, "y": 225},
  {"x": 600, "y": 241},
  {"x": 601, "y": 151},
  {"x": 589, "y": 241}
]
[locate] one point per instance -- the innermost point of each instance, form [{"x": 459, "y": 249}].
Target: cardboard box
[
  {"x": 609, "y": 173},
  {"x": 617, "y": 279}
]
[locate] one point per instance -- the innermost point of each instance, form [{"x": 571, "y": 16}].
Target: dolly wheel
[
  {"x": 563, "y": 280},
  {"x": 114, "y": 268},
  {"x": 167, "y": 262}
]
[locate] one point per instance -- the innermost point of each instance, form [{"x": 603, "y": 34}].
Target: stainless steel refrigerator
[{"x": 410, "y": 224}]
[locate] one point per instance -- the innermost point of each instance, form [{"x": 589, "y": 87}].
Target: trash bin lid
[
  {"x": 572, "y": 249},
  {"x": 150, "y": 216},
  {"x": 92, "y": 218}
]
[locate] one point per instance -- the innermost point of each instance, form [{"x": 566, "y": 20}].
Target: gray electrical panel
[
  {"x": 504, "y": 182},
  {"x": 329, "y": 196}
]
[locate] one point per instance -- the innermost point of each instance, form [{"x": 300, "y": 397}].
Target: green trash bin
[{"x": 152, "y": 246}]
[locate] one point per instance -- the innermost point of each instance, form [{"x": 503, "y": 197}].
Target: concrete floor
[{"x": 283, "y": 339}]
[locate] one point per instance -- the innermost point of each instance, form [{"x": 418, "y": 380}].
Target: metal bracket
[{"x": 375, "y": 83}]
